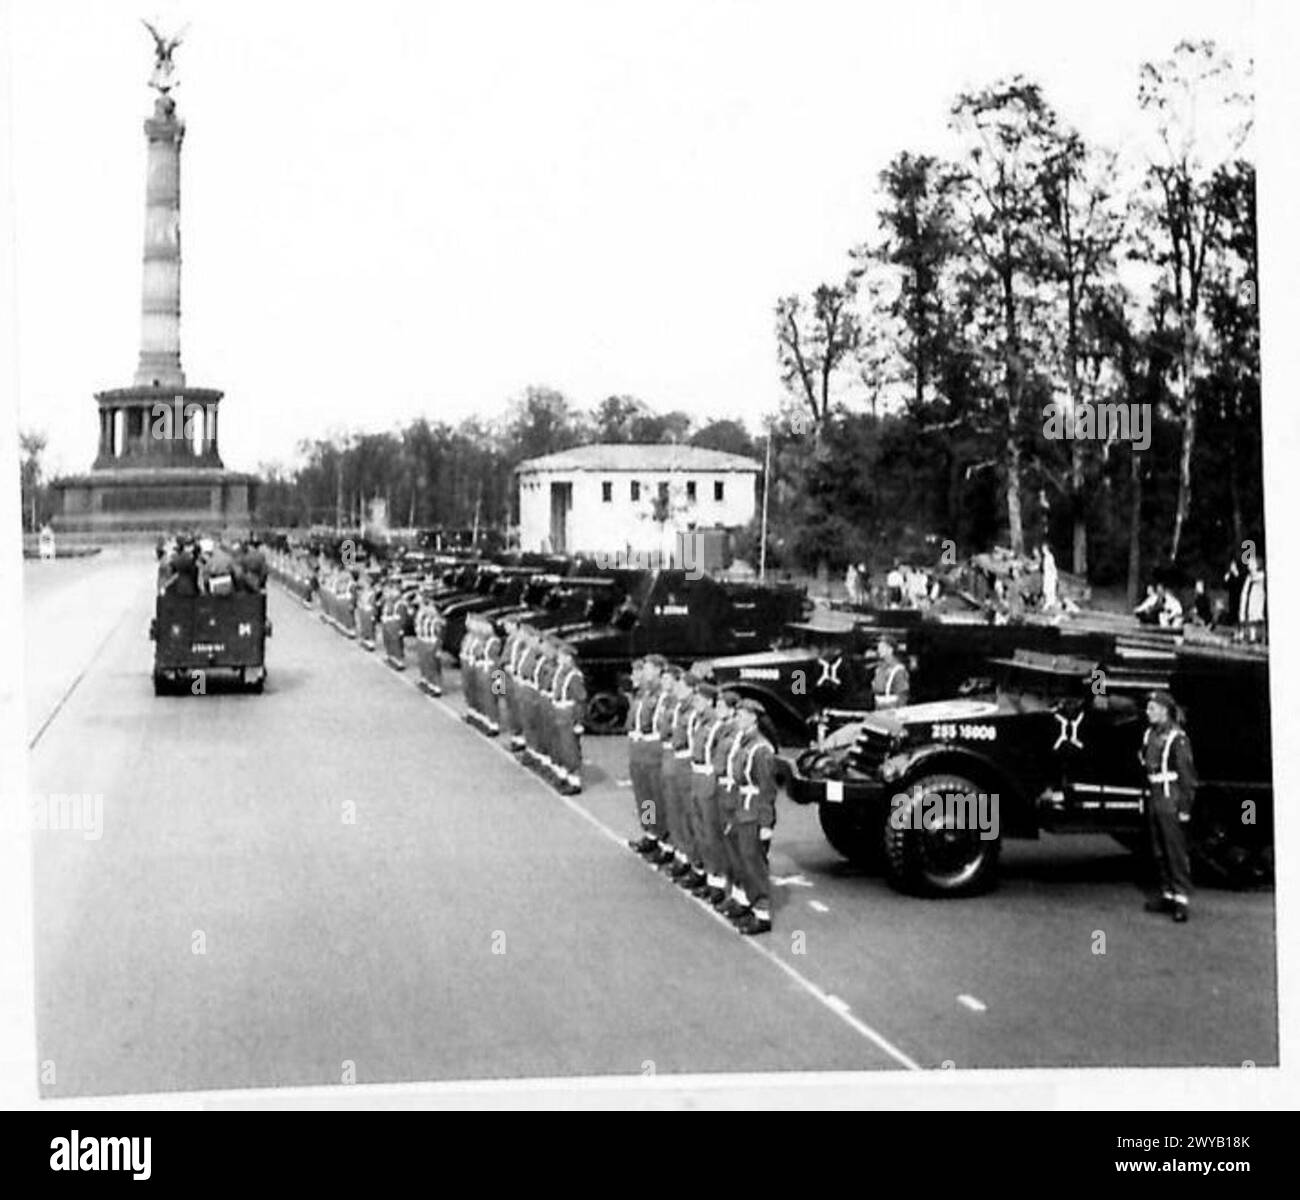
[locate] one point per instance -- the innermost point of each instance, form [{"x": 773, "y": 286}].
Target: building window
[
  {"x": 663, "y": 489},
  {"x": 717, "y": 489},
  {"x": 690, "y": 490},
  {"x": 636, "y": 490},
  {"x": 607, "y": 492}
]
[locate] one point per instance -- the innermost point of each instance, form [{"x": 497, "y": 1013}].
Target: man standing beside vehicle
[
  {"x": 890, "y": 684},
  {"x": 1166, "y": 757},
  {"x": 754, "y": 818}
]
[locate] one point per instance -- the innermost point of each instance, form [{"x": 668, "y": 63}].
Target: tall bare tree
[
  {"x": 1009, "y": 129},
  {"x": 1200, "y": 106},
  {"x": 1084, "y": 222},
  {"x": 31, "y": 443},
  {"x": 814, "y": 343}
]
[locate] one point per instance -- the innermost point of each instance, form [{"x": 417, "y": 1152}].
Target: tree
[
  {"x": 1198, "y": 82},
  {"x": 614, "y": 418},
  {"x": 32, "y": 445},
  {"x": 728, "y": 435},
  {"x": 1231, "y": 383},
  {"x": 542, "y": 421},
  {"x": 1083, "y": 224},
  {"x": 812, "y": 345},
  {"x": 920, "y": 244},
  {"x": 1008, "y": 128}
]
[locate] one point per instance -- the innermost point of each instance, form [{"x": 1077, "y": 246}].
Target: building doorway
[{"x": 561, "y": 506}]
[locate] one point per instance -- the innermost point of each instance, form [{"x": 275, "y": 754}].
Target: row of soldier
[
  {"x": 528, "y": 685},
  {"x": 705, "y": 791}
]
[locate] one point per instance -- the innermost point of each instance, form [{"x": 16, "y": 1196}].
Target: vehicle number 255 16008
[{"x": 973, "y": 733}]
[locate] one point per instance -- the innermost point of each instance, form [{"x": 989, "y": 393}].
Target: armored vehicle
[
  {"x": 930, "y": 790},
  {"x": 685, "y": 619},
  {"x": 825, "y": 676}
]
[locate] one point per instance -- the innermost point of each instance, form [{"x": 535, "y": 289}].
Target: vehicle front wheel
[
  {"x": 933, "y": 843},
  {"x": 861, "y": 842},
  {"x": 604, "y": 714}
]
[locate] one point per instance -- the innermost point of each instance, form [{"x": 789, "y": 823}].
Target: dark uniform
[
  {"x": 393, "y": 627},
  {"x": 570, "y": 697},
  {"x": 1171, "y": 776},
  {"x": 644, "y": 767},
  {"x": 511, "y": 652},
  {"x": 727, "y": 763},
  {"x": 752, "y": 826},
  {"x": 469, "y": 675},
  {"x": 706, "y": 821},
  {"x": 890, "y": 684},
  {"x": 686, "y": 724},
  {"x": 526, "y": 693},
  {"x": 428, "y": 647},
  {"x": 367, "y": 611},
  {"x": 661, "y": 718},
  {"x": 489, "y": 680},
  {"x": 543, "y": 712},
  {"x": 253, "y": 576}
]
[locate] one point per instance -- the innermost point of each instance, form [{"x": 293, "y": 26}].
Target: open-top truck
[{"x": 204, "y": 634}]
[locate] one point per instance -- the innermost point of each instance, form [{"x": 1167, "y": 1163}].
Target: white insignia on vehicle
[
  {"x": 830, "y": 671},
  {"x": 1069, "y": 731}
]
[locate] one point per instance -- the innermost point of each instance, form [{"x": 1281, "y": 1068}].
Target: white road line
[
  {"x": 971, "y": 1003},
  {"x": 817, "y": 906},
  {"x": 72, "y": 687},
  {"x": 833, "y": 1003}
]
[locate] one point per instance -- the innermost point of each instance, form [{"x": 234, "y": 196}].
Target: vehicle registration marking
[
  {"x": 975, "y": 733},
  {"x": 834, "y": 789}
]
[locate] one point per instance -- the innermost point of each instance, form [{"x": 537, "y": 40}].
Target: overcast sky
[{"x": 395, "y": 209}]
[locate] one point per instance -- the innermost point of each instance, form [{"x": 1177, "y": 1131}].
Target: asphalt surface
[{"x": 340, "y": 880}]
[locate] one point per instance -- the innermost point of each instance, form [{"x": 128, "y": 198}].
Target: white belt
[
  {"x": 649, "y": 737},
  {"x": 729, "y": 784},
  {"x": 700, "y": 770},
  {"x": 749, "y": 791},
  {"x": 681, "y": 754},
  {"x": 1164, "y": 777},
  {"x": 633, "y": 735},
  {"x": 564, "y": 703}
]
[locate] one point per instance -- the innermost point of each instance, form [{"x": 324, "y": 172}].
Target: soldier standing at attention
[
  {"x": 889, "y": 684},
  {"x": 570, "y": 694},
  {"x": 707, "y": 828},
  {"x": 727, "y": 766},
  {"x": 544, "y": 681},
  {"x": 643, "y": 760},
  {"x": 755, "y": 818},
  {"x": 468, "y": 673},
  {"x": 660, "y": 733},
  {"x": 694, "y": 712},
  {"x": 490, "y": 680},
  {"x": 1166, "y": 757},
  {"x": 528, "y": 659},
  {"x": 671, "y": 725},
  {"x": 632, "y": 728},
  {"x": 428, "y": 635},
  {"x": 510, "y": 651}
]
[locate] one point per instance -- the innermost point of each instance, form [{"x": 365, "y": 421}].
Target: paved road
[{"x": 340, "y": 879}]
